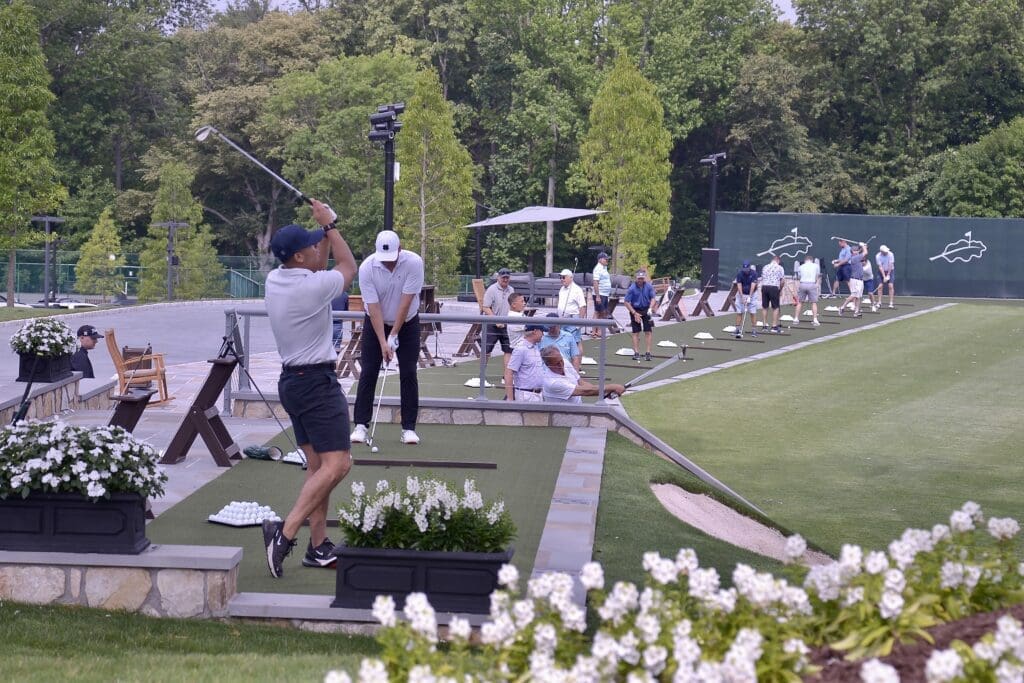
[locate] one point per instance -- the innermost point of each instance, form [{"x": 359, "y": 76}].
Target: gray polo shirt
[
  {"x": 298, "y": 305},
  {"x": 377, "y": 284},
  {"x": 857, "y": 266},
  {"x": 496, "y": 298}
]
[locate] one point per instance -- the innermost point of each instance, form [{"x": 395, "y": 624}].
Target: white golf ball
[{"x": 374, "y": 449}]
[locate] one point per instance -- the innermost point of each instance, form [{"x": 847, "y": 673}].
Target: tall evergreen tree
[
  {"x": 434, "y": 196},
  {"x": 27, "y": 170},
  {"x": 624, "y": 156},
  {"x": 99, "y": 266},
  {"x": 198, "y": 274}
]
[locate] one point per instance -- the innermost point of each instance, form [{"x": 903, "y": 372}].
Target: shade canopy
[{"x": 534, "y": 214}]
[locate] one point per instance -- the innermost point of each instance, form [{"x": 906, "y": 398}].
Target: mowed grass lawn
[{"x": 854, "y": 439}]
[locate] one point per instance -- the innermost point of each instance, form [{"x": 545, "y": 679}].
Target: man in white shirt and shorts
[{"x": 810, "y": 284}]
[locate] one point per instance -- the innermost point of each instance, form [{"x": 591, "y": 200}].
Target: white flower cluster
[
  {"x": 45, "y": 337},
  {"x": 431, "y": 506},
  {"x": 681, "y": 625},
  {"x": 94, "y": 461}
]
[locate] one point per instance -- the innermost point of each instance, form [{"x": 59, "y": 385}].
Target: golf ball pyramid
[{"x": 244, "y": 513}]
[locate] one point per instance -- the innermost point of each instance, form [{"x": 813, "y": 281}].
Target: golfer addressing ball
[
  {"x": 390, "y": 281},
  {"x": 298, "y": 301}
]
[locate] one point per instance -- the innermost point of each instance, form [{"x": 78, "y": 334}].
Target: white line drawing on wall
[
  {"x": 783, "y": 245},
  {"x": 962, "y": 250}
]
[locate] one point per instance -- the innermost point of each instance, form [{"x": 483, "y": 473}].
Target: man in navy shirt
[
  {"x": 640, "y": 300},
  {"x": 746, "y": 278}
]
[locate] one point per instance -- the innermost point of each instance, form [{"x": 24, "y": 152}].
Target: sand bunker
[{"x": 724, "y": 523}]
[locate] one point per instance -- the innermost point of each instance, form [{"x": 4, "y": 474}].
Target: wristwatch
[{"x": 330, "y": 226}]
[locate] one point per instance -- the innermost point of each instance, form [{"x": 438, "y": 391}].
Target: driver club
[{"x": 204, "y": 132}]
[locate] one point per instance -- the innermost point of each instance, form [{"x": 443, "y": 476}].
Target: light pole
[
  {"x": 172, "y": 260},
  {"x": 384, "y": 125},
  {"x": 47, "y": 221},
  {"x": 712, "y": 161}
]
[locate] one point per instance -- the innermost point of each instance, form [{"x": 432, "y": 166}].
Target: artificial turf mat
[
  {"x": 528, "y": 462},
  {"x": 853, "y": 440}
]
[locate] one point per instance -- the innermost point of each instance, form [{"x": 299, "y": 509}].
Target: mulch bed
[{"x": 909, "y": 659}]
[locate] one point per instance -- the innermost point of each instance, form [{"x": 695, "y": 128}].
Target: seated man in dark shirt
[{"x": 87, "y": 336}]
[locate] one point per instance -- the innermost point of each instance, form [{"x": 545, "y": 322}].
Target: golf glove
[
  {"x": 393, "y": 343},
  {"x": 334, "y": 215}
]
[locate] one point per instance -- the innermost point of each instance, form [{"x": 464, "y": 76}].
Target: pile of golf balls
[{"x": 240, "y": 513}]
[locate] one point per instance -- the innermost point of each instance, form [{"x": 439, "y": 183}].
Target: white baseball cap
[
  {"x": 884, "y": 249},
  {"x": 387, "y": 246},
  {"x": 566, "y": 272}
]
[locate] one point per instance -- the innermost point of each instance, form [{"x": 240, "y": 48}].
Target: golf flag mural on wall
[
  {"x": 791, "y": 246},
  {"x": 962, "y": 250},
  {"x": 932, "y": 259}
]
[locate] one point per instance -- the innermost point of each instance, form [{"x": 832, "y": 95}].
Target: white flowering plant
[
  {"x": 46, "y": 337},
  {"x": 681, "y": 625},
  {"x": 426, "y": 515},
  {"x": 55, "y": 457},
  {"x": 996, "y": 656}
]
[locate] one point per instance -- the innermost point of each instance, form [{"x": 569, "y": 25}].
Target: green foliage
[
  {"x": 434, "y": 196},
  {"x": 28, "y": 174},
  {"x": 199, "y": 274},
  {"x": 321, "y": 118},
  {"x": 99, "y": 264},
  {"x": 984, "y": 179},
  {"x": 625, "y": 160}
]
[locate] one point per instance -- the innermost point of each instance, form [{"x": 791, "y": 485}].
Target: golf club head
[{"x": 203, "y": 132}]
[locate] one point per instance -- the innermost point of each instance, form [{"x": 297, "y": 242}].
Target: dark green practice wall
[{"x": 934, "y": 256}]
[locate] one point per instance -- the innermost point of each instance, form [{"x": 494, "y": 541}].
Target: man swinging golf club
[
  {"x": 390, "y": 281},
  {"x": 298, "y": 300}
]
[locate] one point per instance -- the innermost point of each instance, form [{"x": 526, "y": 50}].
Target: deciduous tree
[
  {"x": 28, "y": 174},
  {"x": 434, "y": 196},
  {"x": 624, "y": 156}
]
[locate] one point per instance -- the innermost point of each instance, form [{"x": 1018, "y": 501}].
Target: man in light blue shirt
[
  {"x": 564, "y": 342},
  {"x": 602, "y": 289}
]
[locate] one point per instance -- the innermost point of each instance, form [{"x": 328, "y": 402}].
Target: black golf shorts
[
  {"x": 645, "y": 324},
  {"x": 769, "y": 297},
  {"x": 316, "y": 406}
]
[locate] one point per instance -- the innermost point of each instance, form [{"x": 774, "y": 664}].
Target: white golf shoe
[
  {"x": 358, "y": 434},
  {"x": 409, "y": 437}
]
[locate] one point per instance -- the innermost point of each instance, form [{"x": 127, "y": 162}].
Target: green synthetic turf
[
  {"x": 857, "y": 438},
  {"x": 626, "y": 497},
  {"x": 54, "y": 643},
  {"x": 528, "y": 462},
  {"x": 448, "y": 382}
]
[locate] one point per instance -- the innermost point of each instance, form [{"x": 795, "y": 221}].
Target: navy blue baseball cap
[
  {"x": 532, "y": 327},
  {"x": 746, "y": 264},
  {"x": 293, "y": 238}
]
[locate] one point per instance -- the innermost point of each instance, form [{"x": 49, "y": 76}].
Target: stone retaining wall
[
  {"x": 164, "y": 581},
  {"x": 47, "y": 399}
]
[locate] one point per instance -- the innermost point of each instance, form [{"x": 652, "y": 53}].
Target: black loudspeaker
[{"x": 709, "y": 268}]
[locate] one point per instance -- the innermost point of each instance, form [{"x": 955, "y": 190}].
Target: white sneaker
[
  {"x": 358, "y": 434},
  {"x": 409, "y": 437},
  {"x": 815, "y": 322},
  {"x": 874, "y": 308}
]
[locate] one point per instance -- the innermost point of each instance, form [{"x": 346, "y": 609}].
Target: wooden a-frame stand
[
  {"x": 203, "y": 418},
  {"x": 703, "y": 306}
]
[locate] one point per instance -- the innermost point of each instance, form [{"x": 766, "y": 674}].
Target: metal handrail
[{"x": 246, "y": 313}]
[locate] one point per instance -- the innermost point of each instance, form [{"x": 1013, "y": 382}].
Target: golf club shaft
[
  {"x": 657, "y": 368},
  {"x": 380, "y": 399},
  {"x": 256, "y": 161}
]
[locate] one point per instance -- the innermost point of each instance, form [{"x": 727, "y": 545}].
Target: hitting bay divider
[{"x": 163, "y": 581}]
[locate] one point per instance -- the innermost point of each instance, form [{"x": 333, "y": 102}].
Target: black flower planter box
[
  {"x": 454, "y": 582},
  {"x": 72, "y": 523},
  {"x": 46, "y": 368}
]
